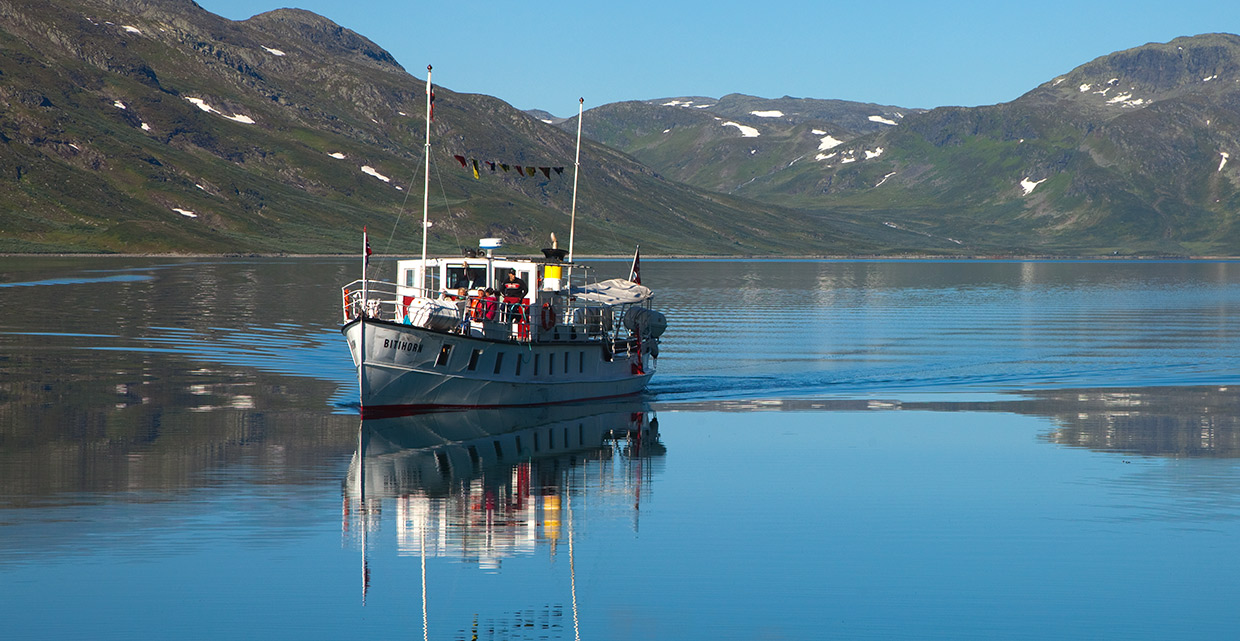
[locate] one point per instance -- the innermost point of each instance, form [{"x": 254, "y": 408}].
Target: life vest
[{"x": 547, "y": 317}]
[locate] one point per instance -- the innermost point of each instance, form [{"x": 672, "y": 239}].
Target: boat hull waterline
[{"x": 409, "y": 368}]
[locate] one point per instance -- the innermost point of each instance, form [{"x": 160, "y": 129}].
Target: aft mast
[{"x": 572, "y": 225}]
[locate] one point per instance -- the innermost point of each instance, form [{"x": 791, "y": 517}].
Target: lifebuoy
[
  {"x": 475, "y": 308},
  {"x": 547, "y": 318},
  {"x": 348, "y": 308}
]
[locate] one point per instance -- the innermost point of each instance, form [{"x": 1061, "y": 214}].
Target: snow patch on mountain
[
  {"x": 773, "y": 113},
  {"x": 827, "y": 141},
  {"x": 202, "y": 104},
  {"x": 881, "y": 120},
  {"x": 1029, "y": 185},
  {"x": 685, "y": 103},
  {"x": 746, "y": 131},
  {"x": 367, "y": 169}
]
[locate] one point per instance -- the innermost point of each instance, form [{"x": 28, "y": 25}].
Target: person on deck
[
  {"x": 488, "y": 301},
  {"x": 514, "y": 294}
]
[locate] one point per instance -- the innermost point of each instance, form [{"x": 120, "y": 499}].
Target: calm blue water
[{"x": 830, "y": 449}]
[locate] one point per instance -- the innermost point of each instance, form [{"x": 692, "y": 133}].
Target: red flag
[
  {"x": 635, "y": 272},
  {"x": 460, "y": 159},
  {"x": 432, "y": 106},
  {"x": 368, "y": 252}
]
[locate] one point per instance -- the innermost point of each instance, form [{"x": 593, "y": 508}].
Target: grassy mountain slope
[
  {"x": 723, "y": 144},
  {"x": 154, "y": 125},
  {"x": 1128, "y": 153},
  {"x": 1135, "y": 152}
]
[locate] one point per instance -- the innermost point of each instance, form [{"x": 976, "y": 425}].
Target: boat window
[
  {"x": 581, "y": 435},
  {"x": 550, "y": 364},
  {"x": 566, "y": 444},
  {"x": 581, "y": 362},
  {"x": 473, "y": 359},
  {"x": 474, "y": 460},
  {"x": 551, "y": 439},
  {"x": 499, "y": 449},
  {"x": 445, "y": 353},
  {"x": 499, "y": 362},
  {"x": 467, "y": 276},
  {"x": 535, "y": 441},
  {"x": 565, "y": 362},
  {"x": 441, "y": 461},
  {"x": 520, "y": 358},
  {"x": 408, "y": 278},
  {"x": 519, "y": 448},
  {"x": 537, "y": 358}
]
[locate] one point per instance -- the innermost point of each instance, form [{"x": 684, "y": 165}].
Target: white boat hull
[{"x": 408, "y": 368}]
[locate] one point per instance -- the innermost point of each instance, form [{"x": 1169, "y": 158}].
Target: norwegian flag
[{"x": 366, "y": 251}]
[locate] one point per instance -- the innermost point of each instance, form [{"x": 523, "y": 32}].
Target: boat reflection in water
[{"x": 481, "y": 485}]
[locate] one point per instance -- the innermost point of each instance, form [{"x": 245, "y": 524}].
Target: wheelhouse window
[
  {"x": 466, "y": 276},
  {"x": 445, "y": 353}
]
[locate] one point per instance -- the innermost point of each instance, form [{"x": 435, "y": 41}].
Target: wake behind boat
[{"x": 482, "y": 330}]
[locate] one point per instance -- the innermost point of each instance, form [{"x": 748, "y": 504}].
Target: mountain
[
  {"x": 1135, "y": 152},
  {"x": 156, "y": 126},
  {"x": 723, "y": 144},
  {"x": 1127, "y": 153}
]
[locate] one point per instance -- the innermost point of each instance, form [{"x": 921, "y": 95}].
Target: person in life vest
[
  {"x": 514, "y": 294},
  {"x": 488, "y": 302}
]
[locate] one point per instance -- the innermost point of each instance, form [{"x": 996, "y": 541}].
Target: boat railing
[{"x": 549, "y": 317}]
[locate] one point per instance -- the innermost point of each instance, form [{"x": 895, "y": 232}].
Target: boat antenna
[
  {"x": 426, "y": 179},
  {"x": 572, "y": 225}
]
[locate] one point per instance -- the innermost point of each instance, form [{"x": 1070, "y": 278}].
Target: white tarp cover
[{"x": 616, "y": 291}]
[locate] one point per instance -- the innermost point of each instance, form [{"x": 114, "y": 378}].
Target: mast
[
  {"x": 572, "y": 226},
  {"x": 361, "y": 326},
  {"x": 426, "y": 179}
]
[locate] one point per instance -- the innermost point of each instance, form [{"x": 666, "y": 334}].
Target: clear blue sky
[{"x": 546, "y": 53}]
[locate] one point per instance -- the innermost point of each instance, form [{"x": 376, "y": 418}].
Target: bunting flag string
[{"x": 475, "y": 166}]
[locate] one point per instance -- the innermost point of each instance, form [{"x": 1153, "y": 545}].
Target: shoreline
[{"x": 719, "y": 257}]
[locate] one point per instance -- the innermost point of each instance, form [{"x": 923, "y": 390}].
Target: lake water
[{"x": 830, "y": 449}]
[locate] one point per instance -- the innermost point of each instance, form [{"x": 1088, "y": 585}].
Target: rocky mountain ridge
[
  {"x": 1129, "y": 153},
  {"x": 156, "y": 126}
]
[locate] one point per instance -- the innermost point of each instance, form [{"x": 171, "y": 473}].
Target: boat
[{"x": 482, "y": 330}]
